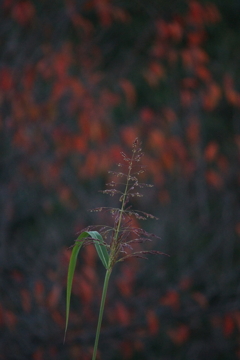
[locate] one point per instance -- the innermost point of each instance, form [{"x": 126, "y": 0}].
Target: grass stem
[{"x": 104, "y": 293}]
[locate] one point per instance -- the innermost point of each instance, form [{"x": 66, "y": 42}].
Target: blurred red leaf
[
  {"x": 223, "y": 164},
  {"x": 179, "y": 335},
  {"x": 80, "y": 144},
  {"x": 152, "y": 322},
  {"x": 196, "y": 13},
  {"x": 57, "y": 317},
  {"x": 154, "y": 73},
  {"x": 171, "y": 299},
  {"x": 214, "y": 179},
  {"x": 122, "y": 314},
  {"x": 147, "y": 115},
  {"x": 129, "y": 91},
  {"x": 6, "y": 79},
  {"x": 193, "y": 132},
  {"x": 212, "y": 14},
  {"x": 203, "y": 73},
  {"x": 104, "y": 10},
  {"x": 90, "y": 256},
  {"x": 196, "y": 38},
  {"x": 38, "y": 355},
  {"x": 211, "y": 151},
  {"x": 168, "y": 160},
  {"x": 54, "y": 296},
  {"x": 23, "y": 12},
  {"x": 39, "y": 292},
  {"x": 10, "y": 319},
  {"x": 178, "y": 148},
  {"x": 126, "y": 349},
  {"x": 156, "y": 140},
  {"x": 82, "y": 288},
  {"x": 228, "y": 325},
  {"x": 129, "y": 134},
  {"x": 212, "y": 96},
  {"x": 231, "y": 94},
  {"x": 200, "y": 299}
]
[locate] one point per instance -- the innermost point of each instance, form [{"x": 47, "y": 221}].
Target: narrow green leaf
[
  {"x": 102, "y": 253},
  {"x": 100, "y": 247},
  {"x": 71, "y": 269}
]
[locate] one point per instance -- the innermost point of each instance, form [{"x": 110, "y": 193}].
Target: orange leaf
[
  {"x": 231, "y": 94},
  {"x": 211, "y": 151},
  {"x": 156, "y": 140},
  {"x": 212, "y": 96},
  {"x": 129, "y": 134},
  {"x": 154, "y": 73},
  {"x": 214, "y": 179},
  {"x": 168, "y": 160},
  {"x": 203, "y": 73}
]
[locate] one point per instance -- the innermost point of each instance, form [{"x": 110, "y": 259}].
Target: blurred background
[{"x": 79, "y": 81}]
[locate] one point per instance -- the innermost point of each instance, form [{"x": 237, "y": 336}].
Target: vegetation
[
  {"x": 115, "y": 243},
  {"x": 79, "y": 81}
]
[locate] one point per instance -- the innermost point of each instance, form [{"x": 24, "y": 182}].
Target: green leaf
[
  {"x": 100, "y": 247},
  {"x": 71, "y": 269},
  {"x": 102, "y": 252}
]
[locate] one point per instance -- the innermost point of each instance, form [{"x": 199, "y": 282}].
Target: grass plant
[{"x": 115, "y": 243}]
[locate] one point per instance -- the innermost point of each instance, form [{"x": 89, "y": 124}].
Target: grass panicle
[{"x": 116, "y": 243}]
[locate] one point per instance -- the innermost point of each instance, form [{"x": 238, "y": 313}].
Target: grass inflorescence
[{"x": 116, "y": 243}]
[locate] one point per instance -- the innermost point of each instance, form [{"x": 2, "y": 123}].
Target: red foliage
[
  {"x": 59, "y": 117},
  {"x": 180, "y": 334},
  {"x": 152, "y": 322},
  {"x": 122, "y": 314},
  {"x": 23, "y": 12},
  {"x": 228, "y": 325},
  {"x": 171, "y": 299},
  {"x": 39, "y": 292}
]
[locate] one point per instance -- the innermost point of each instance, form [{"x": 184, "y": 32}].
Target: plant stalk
[{"x": 100, "y": 316}]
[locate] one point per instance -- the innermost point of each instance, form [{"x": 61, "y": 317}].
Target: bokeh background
[{"x": 79, "y": 81}]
